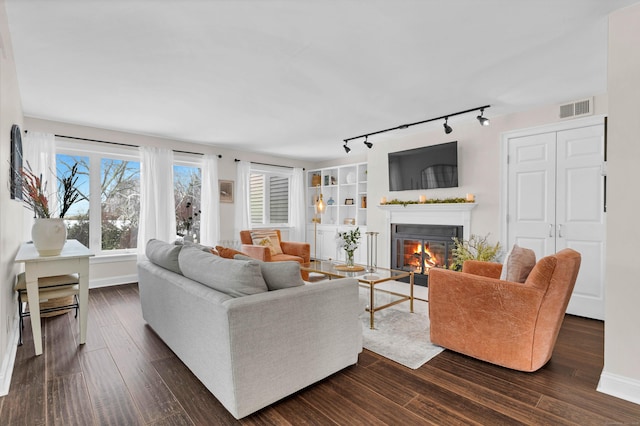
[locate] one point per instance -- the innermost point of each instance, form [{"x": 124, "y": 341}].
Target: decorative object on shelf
[
  {"x": 348, "y": 201},
  {"x": 351, "y": 178},
  {"x": 349, "y": 221},
  {"x": 48, "y": 234},
  {"x": 372, "y": 251},
  {"x": 331, "y": 201},
  {"x": 348, "y": 241},
  {"x": 326, "y": 180},
  {"x": 422, "y": 199},
  {"x": 333, "y": 180},
  {"x": 316, "y": 180},
  {"x": 363, "y": 202},
  {"x": 318, "y": 208},
  {"x": 383, "y": 200},
  {"x": 448, "y": 129},
  {"x": 226, "y": 191},
  {"x": 476, "y": 248},
  {"x": 471, "y": 198}
]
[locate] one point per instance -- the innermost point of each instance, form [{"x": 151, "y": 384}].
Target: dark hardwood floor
[{"x": 125, "y": 375}]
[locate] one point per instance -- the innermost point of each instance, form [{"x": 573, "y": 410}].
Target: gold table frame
[{"x": 365, "y": 278}]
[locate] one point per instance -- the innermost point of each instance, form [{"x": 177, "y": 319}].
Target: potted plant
[
  {"x": 48, "y": 233},
  {"x": 476, "y": 248},
  {"x": 348, "y": 241}
]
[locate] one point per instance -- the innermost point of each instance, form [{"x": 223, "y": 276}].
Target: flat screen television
[{"x": 428, "y": 167}]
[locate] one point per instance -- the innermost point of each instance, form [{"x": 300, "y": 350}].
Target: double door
[{"x": 555, "y": 199}]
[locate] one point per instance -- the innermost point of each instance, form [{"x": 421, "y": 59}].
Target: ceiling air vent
[{"x": 577, "y": 109}]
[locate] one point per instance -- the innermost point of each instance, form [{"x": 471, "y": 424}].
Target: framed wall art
[
  {"x": 16, "y": 163},
  {"x": 226, "y": 191}
]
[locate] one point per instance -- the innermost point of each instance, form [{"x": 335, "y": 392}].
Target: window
[
  {"x": 106, "y": 217},
  {"x": 119, "y": 203},
  {"x": 269, "y": 197},
  {"x": 187, "y": 183}
]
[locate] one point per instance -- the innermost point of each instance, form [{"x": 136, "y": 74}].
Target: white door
[
  {"x": 555, "y": 198},
  {"x": 580, "y": 213}
]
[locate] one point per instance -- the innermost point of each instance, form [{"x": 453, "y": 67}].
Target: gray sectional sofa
[{"x": 249, "y": 345}]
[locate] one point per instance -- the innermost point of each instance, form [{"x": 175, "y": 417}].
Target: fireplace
[{"x": 418, "y": 248}]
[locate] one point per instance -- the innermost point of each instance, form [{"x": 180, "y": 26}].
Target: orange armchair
[
  {"x": 291, "y": 250},
  {"x": 505, "y": 323}
]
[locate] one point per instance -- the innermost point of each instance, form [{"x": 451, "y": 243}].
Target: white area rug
[{"x": 401, "y": 336}]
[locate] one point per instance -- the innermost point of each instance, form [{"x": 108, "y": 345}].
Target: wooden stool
[{"x": 49, "y": 288}]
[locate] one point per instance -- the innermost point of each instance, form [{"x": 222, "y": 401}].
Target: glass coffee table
[{"x": 334, "y": 269}]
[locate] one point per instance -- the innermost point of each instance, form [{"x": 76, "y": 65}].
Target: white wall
[
  {"x": 11, "y": 213},
  {"x": 621, "y": 374},
  {"x": 479, "y": 165}
]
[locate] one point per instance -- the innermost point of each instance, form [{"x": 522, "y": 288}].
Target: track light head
[
  {"x": 346, "y": 148},
  {"x": 367, "y": 143},
  {"x": 483, "y": 121},
  {"x": 447, "y": 128}
]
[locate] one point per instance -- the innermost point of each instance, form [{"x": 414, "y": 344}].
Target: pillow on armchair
[
  {"x": 268, "y": 239},
  {"x": 518, "y": 264}
]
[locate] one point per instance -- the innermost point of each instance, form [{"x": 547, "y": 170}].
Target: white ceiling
[{"x": 294, "y": 78}]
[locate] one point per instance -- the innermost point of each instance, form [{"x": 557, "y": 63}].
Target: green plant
[
  {"x": 348, "y": 240},
  {"x": 476, "y": 248}
]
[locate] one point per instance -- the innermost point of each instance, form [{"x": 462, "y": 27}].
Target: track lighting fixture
[
  {"x": 483, "y": 120},
  {"x": 447, "y": 128}
]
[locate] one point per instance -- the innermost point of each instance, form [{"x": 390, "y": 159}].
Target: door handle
[
  {"x": 551, "y": 229},
  {"x": 560, "y": 231}
]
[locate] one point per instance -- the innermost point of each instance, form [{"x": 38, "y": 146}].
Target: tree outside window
[{"x": 187, "y": 184}]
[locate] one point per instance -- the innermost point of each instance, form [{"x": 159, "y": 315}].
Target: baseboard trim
[
  {"x": 6, "y": 369},
  {"x": 620, "y": 387},
  {"x": 106, "y": 282}
]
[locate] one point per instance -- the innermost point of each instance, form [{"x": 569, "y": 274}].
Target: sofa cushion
[
  {"x": 227, "y": 252},
  {"x": 278, "y": 275},
  {"x": 268, "y": 239},
  {"x": 164, "y": 254},
  {"x": 518, "y": 264},
  {"x": 233, "y": 277}
]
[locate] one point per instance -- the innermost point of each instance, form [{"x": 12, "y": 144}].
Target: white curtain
[
  {"x": 297, "y": 206},
  {"x": 210, "y": 205},
  {"x": 39, "y": 150},
  {"x": 157, "y": 204},
  {"x": 242, "y": 196}
]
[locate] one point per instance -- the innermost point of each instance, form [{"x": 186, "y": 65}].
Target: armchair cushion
[{"x": 518, "y": 264}]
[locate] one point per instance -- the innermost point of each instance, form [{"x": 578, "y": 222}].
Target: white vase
[{"x": 49, "y": 236}]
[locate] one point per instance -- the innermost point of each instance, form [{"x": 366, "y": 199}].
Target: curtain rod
[
  {"x": 267, "y": 164},
  {"x": 121, "y": 144}
]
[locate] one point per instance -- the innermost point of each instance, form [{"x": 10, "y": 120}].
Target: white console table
[{"x": 74, "y": 258}]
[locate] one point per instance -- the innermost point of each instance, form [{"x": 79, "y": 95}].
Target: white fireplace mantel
[{"x": 458, "y": 214}]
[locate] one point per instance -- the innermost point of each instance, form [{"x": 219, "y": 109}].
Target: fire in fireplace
[{"x": 419, "y": 248}]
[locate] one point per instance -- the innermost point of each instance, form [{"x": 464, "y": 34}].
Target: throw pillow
[
  {"x": 268, "y": 239},
  {"x": 227, "y": 253},
  {"x": 518, "y": 264},
  {"x": 278, "y": 275},
  {"x": 233, "y": 277},
  {"x": 164, "y": 254}
]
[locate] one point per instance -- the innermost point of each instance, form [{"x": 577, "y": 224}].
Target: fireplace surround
[{"x": 456, "y": 215}]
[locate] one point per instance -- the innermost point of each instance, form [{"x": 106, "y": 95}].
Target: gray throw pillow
[
  {"x": 233, "y": 277},
  {"x": 517, "y": 264},
  {"x": 164, "y": 254},
  {"x": 278, "y": 275}
]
